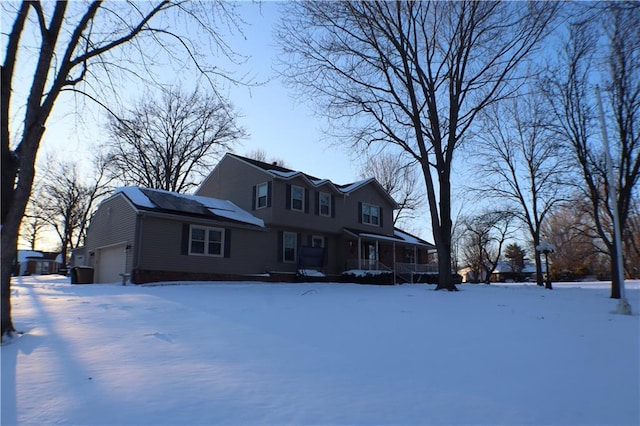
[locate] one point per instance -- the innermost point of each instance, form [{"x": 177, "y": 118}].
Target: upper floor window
[
  {"x": 325, "y": 204},
  {"x": 297, "y": 198},
  {"x": 206, "y": 241},
  {"x": 370, "y": 214},
  {"x": 262, "y": 194}
]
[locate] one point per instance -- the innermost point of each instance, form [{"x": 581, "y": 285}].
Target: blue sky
[{"x": 278, "y": 123}]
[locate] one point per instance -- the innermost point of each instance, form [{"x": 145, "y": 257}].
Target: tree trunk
[
  {"x": 538, "y": 259},
  {"x": 9, "y": 247},
  {"x": 615, "y": 277},
  {"x": 445, "y": 278}
]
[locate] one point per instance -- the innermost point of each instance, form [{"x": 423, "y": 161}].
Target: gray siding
[
  {"x": 113, "y": 223},
  {"x": 369, "y": 194},
  {"x": 251, "y": 251},
  {"x": 233, "y": 180}
]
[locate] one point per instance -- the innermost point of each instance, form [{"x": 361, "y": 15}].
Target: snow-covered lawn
[{"x": 322, "y": 354}]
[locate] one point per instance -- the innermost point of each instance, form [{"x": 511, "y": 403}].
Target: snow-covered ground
[{"x": 321, "y": 354}]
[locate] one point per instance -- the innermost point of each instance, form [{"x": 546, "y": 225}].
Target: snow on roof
[
  {"x": 409, "y": 238},
  {"x": 136, "y": 196},
  {"x": 504, "y": 267},
  {"x": 355, "y": 185},
  {"x": 238, "y": 214},
  {"x": 222, "y": 208},
  {"x": 286, "y": 175},
  {"x": 23, "y": 255}
]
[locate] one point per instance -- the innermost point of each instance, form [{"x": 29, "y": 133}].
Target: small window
[
  {"x": 325, "y": 204},
  {"x": 317, "y": 241},
  {"x": 289, "y": 246},
  {"x": 370, "y": 214},
  {"x": 297, "y": 198},
  {"x": 262, "y": 193},
  {"x": 206, "y": 241}
]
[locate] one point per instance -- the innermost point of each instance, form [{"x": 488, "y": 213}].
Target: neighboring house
[
  {"x": 36, "y": 263},
  {"x": 251, "y": 220},
  {"x": 503, "y": 272}
]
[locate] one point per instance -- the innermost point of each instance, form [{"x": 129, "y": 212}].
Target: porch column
[
  {"x": 415, "y": 258},
  {"x": 394, "y": 263},
  {"x": 377, "y": 255},
  {"x": 359, "y": 253}
]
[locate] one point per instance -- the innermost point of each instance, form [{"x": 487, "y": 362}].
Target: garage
[{"x": 111, "y": 261}]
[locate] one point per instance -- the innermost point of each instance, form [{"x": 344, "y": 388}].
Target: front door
[{"x": 371, "y": 255}]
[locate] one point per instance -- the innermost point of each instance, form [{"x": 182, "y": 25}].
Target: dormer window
[
  {"x": 297, "y": 198},
  {"x": 324, "y": 200},
  {"x": 370, "y": 214}
]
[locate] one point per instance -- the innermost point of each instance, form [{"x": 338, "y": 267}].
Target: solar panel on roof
[{"x": 167, "y": 201}]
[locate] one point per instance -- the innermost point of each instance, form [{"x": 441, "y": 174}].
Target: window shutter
[
  {"x": 380, "y": 211},
  {"x": 359, "y": 212},
  {"x": 306, "y": 200},
  {"x": 333, "y": 205},
  {"x": 253, "y": 198},
  {"x": 184, "y": 246},
  {"x": 288, "y": 196},
  {"x": 280, "y": 245},
  {"x": 316, "y": 209},
  {"x": 298, "y": 245},
  {"x": 227, "y": 243},
  {"x": 269, "y": 185}
]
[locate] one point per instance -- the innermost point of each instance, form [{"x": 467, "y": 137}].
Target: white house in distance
[{"x": 31, "y": 262}]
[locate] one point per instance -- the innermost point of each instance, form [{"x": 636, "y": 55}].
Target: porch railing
[
  {"x": 367, "y": 265},
  {"x": 425, "y": 268}
]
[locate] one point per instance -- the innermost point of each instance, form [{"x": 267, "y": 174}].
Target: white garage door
[{"x": 111, "y": 262}]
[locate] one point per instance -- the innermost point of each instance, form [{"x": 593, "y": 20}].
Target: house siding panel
[
  {"x": 164, "y": 240},
  {"x": 113, "y": 223},
  {"x": 235, "y": 180},
  {"x": 351, "y": 210}
]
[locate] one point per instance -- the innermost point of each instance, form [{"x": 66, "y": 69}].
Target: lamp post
[{"x": 545, "y": 247}]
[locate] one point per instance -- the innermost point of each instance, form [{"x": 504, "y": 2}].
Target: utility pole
[{"x": 623, "y": 305}]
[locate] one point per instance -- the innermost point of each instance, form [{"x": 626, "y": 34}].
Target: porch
[{"x": 403, "y": 255}]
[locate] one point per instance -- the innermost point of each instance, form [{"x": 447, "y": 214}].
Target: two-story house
[{"x": 251, "y": 220}]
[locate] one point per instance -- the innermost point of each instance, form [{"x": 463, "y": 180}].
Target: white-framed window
[
  {"x": 297, "y": 198},
  {"x": 370, "y": 214},
  {"x": 262, "y": 194},
  {"x": 317, "y": 241},
  {"x": 205, "y": 241},
  {"x": 325, "y": 204},
  {"x": 289, "y": 246}
]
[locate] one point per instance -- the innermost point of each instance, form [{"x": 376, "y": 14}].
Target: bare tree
[
  {"x": 523, "y": 162},
  {"x": 261, "y": 155},
  {"x": 66, "y": 201},
  {"x": 571, "y": 93},
  {"x": 399, "y": 179},
  {"x": 413, "y": 75},
  {"x": 484, "y": 236},
  {"x": 33, "y": 222},
  {"x": 84, "y": 48},
  {"x": 632, "y": 241},
  {"x": 172, "y": 142}
]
